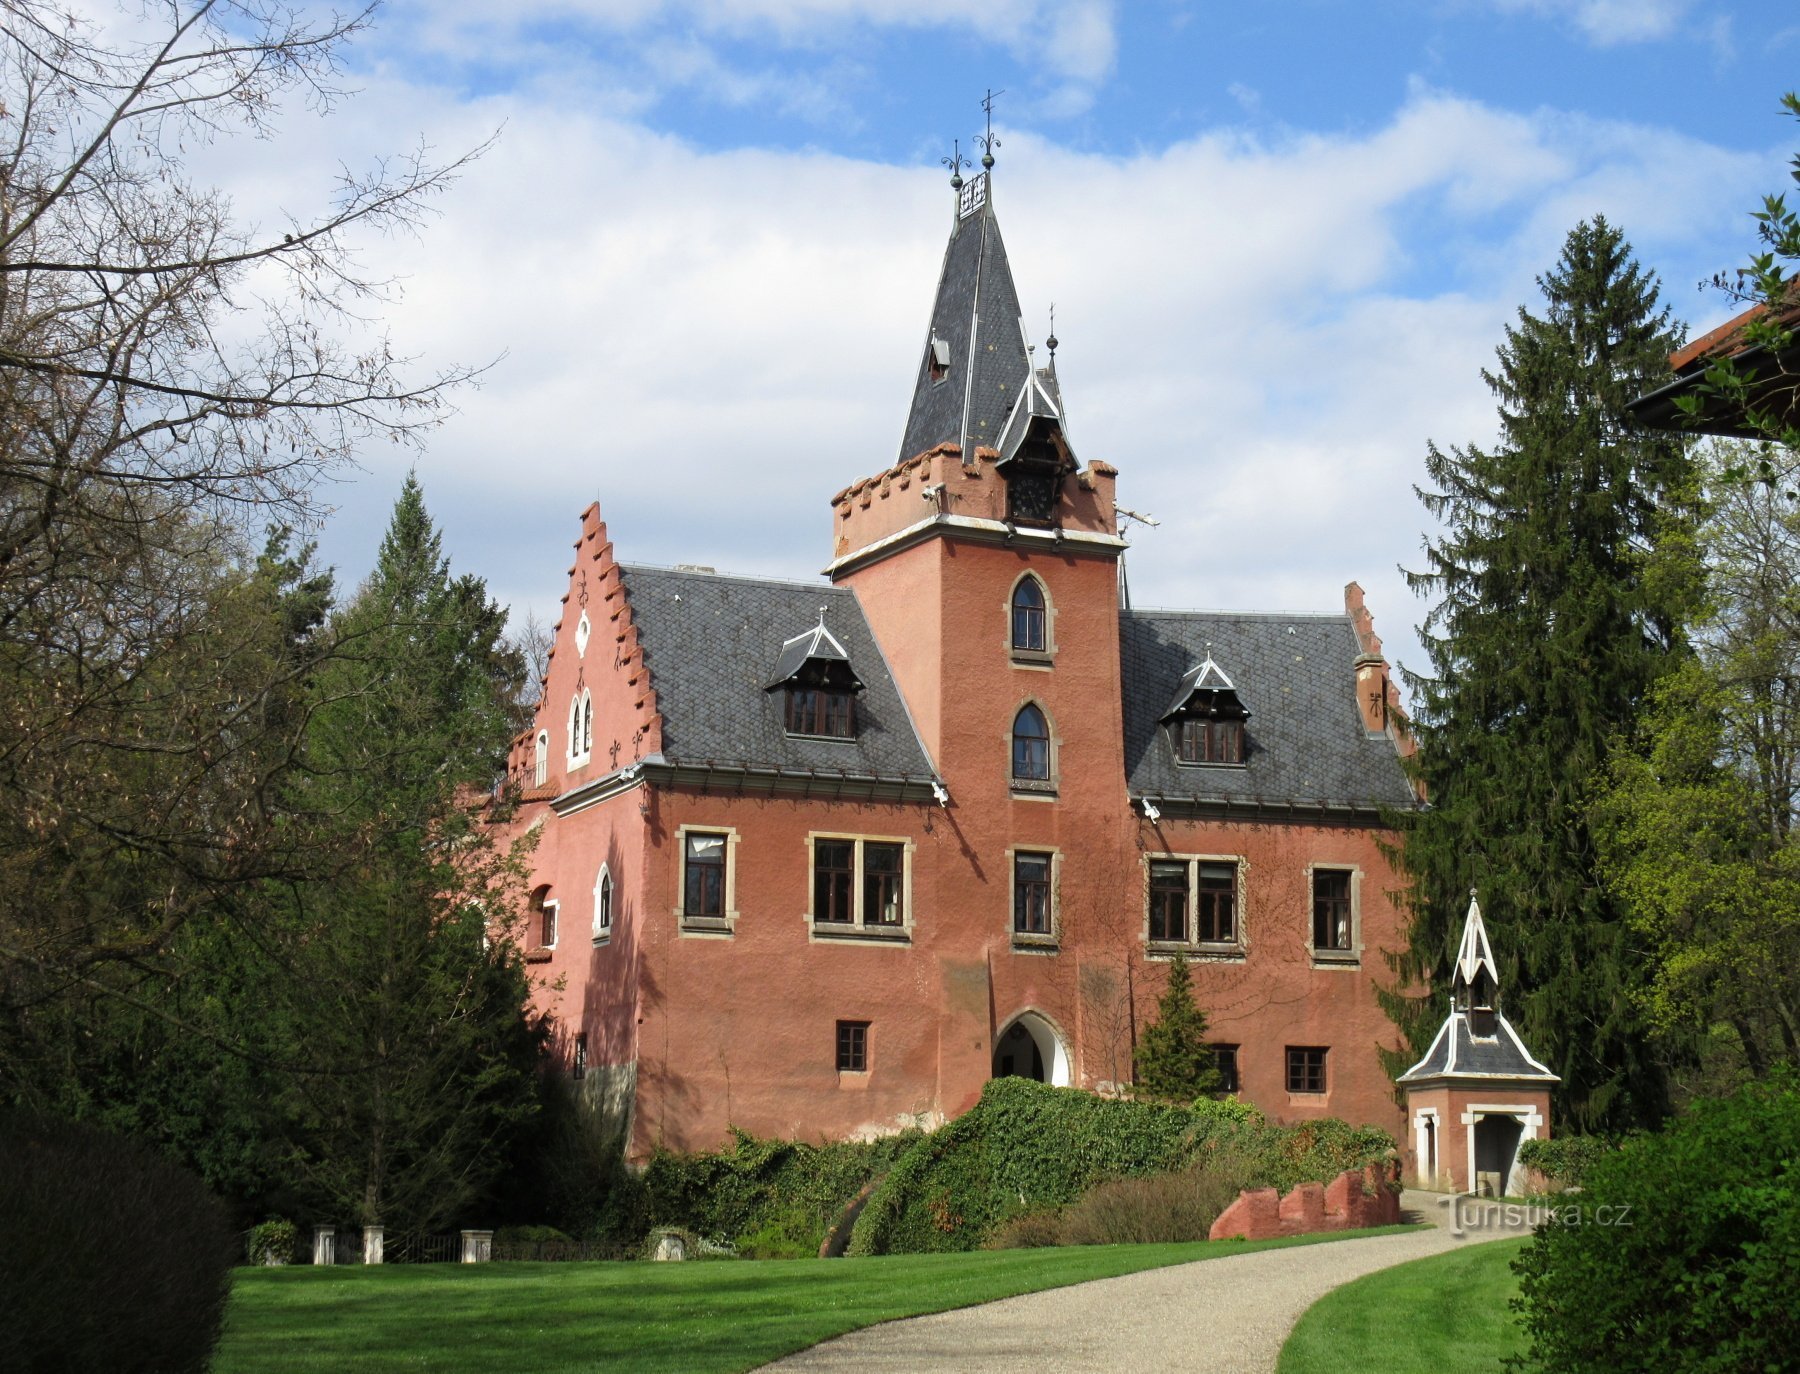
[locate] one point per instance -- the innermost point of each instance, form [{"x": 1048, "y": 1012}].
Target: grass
[
  {"x": 1445, "y": 1312},
  {"x": 697, "y": 1317}
]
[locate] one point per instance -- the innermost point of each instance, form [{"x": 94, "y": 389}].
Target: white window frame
[
  {"x": 581, "y": 728},
  {"x": 540, "y": 767},
  {"x": 1233, "y": 951},
  {"x": 604, "y": 890},
  {"x": 551, "y": 909},
  {"x": 858, "y": 928}
]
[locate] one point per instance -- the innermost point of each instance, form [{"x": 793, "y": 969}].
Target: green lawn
[
  {"x": 1448, "y": 1312},
  {"x": 695, "y": 1317}
]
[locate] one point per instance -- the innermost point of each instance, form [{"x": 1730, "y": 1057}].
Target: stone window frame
[
  {"x": 1306, "y": 1070},
  {"x": 1235, "y": 950},
  {"x": 1322, "y": 956},
  {"x": 581, "y": 728},
  {"x": 1039, "y": 659},
  {"x": 1047, "y": 942},
  {"x": 858, "y": 929},
  {"x": 1044, "y": 787},
  {"x": 706, "y": 926},
  {"x": 605, "y": 890}
]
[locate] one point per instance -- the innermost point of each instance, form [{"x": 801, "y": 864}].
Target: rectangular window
[
  {"x": 1215, "y": 905},
  {"x": 580, "y": 1067},
  {"x": 1031, "y": 894},
  {"x": 703, "y": 882},
  {"x": 1225, "y": 1060},
  {"x": 1305, "y": 1069},
  {"x": 1209, "y": 741},
  {"x": 853, "y": 1046},
  {"x": 811, "y": 711},
  {"x": 834, "y": 879},
  {"x": 1168, "y": 901},
  {"x": 547, "y": 931},
  {"x": 884, "y": 884},
  {"x": 859, "y": 883},
  {"x": 1331, "y": 910}
]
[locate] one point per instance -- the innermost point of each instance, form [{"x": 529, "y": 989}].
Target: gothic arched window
[
  {"x": 1031, "y": 745},
  {"x": 1028, "y": 620}
]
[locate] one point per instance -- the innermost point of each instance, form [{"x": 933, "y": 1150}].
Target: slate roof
[
  {"x": 976, "y": 313},
  {"x": 817, "y": 645},
  {"x": 712, "y": 644},
  {"x": 1458, "y": 1053},
  {"x": 1304, "y": 744}
]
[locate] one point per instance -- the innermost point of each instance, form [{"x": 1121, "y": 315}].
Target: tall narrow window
[
  {"x": 1224, "y": 1059},
  {"x": 853, "y": 1046},
  {"x": 834, "y": 877},
  {"x": 543, "y": 917},
  {"x": 541, "y": 763},
  {"x": 1031, "y": 745},
  {"x": 603, "y": 903},
  {"x": 1028, "y": 616},
  {"x": 1031, "y": 894},
  {"x": 884, "y": 872},
  {"x": 1332, "y": 910},
  {"x": 703, "y": 883},
  {"x": 587, "y": 723},
  {"x": 1215, "y": 906},
  {"x": 579, "y": 1069},
  {"x": 1168, "y": 902}
]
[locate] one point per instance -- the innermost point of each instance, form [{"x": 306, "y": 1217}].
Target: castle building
[{"x": 820, "y": 858}]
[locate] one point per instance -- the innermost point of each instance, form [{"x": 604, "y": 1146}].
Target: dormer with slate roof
[
  {"x": 1206, "y": 719},
  {"x": 820, "y": 685}
]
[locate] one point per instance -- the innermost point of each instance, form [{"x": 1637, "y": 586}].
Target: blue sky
[{"x": 1283, "y": 239}]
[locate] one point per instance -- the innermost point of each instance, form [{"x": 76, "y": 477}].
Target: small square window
[
  {"x": 1332, "y": 916},
  {"x": 1305, "y": 1069},
  {"x": 1225, "y": 1060},
  {"x": 853, "y": 1046}
]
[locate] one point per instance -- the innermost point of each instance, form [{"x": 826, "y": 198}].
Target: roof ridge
[
  {"x": 766, "y": 578},
  {"x": 1222, "y": 610}
]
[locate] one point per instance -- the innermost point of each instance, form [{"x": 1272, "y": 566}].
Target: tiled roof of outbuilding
[
  {"x": 711, "y": 643},
  {"x": 1305, "y": 743},
  {"x": 1459, "y": 1053}
]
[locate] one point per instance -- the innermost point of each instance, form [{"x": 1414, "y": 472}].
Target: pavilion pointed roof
[
  {"x": 974, "y": 366},
  {"x": 1475, "y": 955}
]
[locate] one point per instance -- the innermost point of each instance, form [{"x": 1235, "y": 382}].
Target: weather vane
[
  {"x": 955, "y": 162},
  {"x": 989, "y": 141}
]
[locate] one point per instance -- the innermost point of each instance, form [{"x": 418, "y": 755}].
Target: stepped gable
[
  {"x": 1304, "y": 745},
  {"x": 714, "y": 643}
]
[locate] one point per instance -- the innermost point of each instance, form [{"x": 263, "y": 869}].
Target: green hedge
[
  {"x": 779, "y": 1195},
  {"x": 1679, "y": 1254},
  {"x": 1565, "y": 1160},
  {"x": 1025, "y": 1147}
]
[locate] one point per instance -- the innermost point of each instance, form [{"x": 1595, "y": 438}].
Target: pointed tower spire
[
  {"x": 1476, "y": 983},
  {"x": 974, "y": 366}
]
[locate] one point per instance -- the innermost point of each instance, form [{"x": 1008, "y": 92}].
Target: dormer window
[
  {"x": 1206, "y": 719},
  {"x": 937, "y": 359},
  {"x": 820, "y": 686}
]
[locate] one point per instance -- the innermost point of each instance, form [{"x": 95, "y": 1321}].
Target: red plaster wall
[{"x": 1453, "y": 1135}]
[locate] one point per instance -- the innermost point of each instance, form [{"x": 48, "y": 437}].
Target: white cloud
[
  {"x": 1262, "y": 336},
  {"x": 1608, "y": 22}
]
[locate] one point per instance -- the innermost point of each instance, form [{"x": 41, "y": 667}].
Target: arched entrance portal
[
  {"x": 1030, "y": 1047},
  {"x": 1496, "y": 1148}
]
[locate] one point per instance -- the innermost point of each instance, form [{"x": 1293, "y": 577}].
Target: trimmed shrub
[
  {"x": 273, "y": 1242},
  {"x": 111, "y": 1257},
  {"x": 1151, "y": 1210},
  {"x": 1027, "y": 1147},
  {"x": 1564, "y": 1162},
  {"x": 1679, "y": 1256},
  {"x": 1027, "y": 1231}
]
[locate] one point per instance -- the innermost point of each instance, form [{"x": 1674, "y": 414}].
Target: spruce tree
[
  {"x": 1551, "y": 626},
  {"x": 1173, "y": 1060}
]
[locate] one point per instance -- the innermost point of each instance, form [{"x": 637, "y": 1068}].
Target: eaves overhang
[
  {"x": 1358, "y": 813},
  {"x": 978, "y": 530},
  {"x": 727, "y": 778}
]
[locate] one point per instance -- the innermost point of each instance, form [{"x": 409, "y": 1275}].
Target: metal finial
[
  {"x": 989, "y": 140},
  {"x": 1050, "y": 342},
  {"x": 821, "y": 616},
  {"x": 955, "y": 162}
]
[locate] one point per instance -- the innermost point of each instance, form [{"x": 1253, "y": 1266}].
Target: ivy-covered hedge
[
  {"x": 779, "y": 1196},
  {"x": 1565, "y": 1160},
  {"x": 1025, "y": 1147}
]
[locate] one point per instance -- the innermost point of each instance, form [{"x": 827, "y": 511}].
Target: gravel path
[{"x": 1228, "y": 1315}]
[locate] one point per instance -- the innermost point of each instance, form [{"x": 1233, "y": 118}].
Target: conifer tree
[
  {"x": 1173, "y": 1060},
  {"x": 1551, "y": 625}
]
